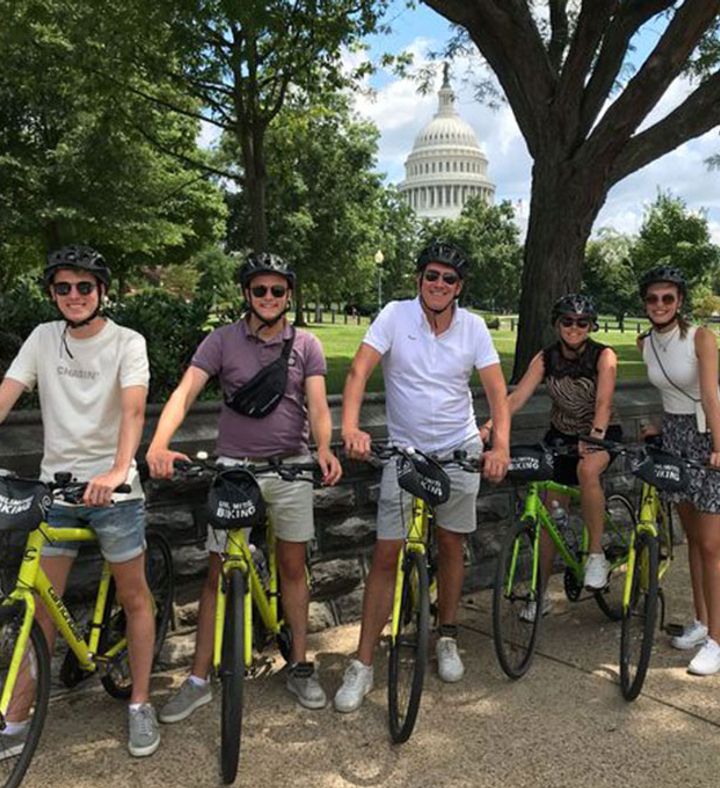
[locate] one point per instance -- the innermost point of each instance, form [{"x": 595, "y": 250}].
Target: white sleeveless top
[{"x": 678, "y": 358}]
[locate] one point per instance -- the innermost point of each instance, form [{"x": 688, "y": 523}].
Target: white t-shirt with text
[{"x": 80, "y": 395}]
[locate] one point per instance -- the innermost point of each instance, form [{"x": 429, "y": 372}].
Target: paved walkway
[{"x": 564, "y": 724}]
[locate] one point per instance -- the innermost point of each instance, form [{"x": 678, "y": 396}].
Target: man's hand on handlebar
[
  {"x": 357, "y": 444},
  {"x": 160, "y": 462}
]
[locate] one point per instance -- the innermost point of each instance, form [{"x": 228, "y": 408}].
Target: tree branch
[
  {"x": 662, "y": 66},
  {"x": 559, "y": 33},
  {"x": 698, "y": 114}
]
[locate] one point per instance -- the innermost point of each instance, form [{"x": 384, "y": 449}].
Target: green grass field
[{"x": 340, "y": 343}]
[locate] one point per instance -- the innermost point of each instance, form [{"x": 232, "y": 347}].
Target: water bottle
[
  {"x": 261, "y": 565},
  {"x": 562, "y": 522}
]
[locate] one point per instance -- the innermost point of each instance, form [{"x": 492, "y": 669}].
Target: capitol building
[{"x": 446, "y": 166}]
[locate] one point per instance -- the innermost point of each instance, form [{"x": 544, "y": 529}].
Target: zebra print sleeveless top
[{"x": 572, "y": 386}]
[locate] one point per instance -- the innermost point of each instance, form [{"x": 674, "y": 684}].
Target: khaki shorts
[
  {"x": 459, "y": 514},
  {"x": 289, "y": 505}
]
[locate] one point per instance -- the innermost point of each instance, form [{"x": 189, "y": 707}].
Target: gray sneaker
[
  {"x": 144, "y": 736},
  {"x": 184, "y": 702},
  {"x": 303, "y": 682},
  {"x": 11, "y": 744}
]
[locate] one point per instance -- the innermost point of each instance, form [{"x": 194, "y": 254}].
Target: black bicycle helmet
[
  {"x": 663, "y": 273},
  {"x": 575, "y": 304},
  {"x": 445, "y": 253},
  {"x": 83, "y": 258},
  {"x": 264, "y": 263}
]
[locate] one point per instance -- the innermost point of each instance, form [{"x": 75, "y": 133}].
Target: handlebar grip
[{"x": 123, "y": 488}]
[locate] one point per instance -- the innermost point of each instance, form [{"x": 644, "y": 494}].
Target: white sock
[
  {"x": 136, "y": 706},
  {"x": 196, "y": 681}
]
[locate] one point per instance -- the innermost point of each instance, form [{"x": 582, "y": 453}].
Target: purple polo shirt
[{"x": 235, "y": 356}]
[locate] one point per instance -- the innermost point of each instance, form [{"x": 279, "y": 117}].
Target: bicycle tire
[
  {"x": 117, "y": 680},
  {"x": 409, "y": 649},
  {"x": 232, "y": 675},
  {"x": 640, "y": 618},
  {"x": 515, "y": 634},
  {"x": 14, "y": 767},
  {"x": 616, "y": 544}
]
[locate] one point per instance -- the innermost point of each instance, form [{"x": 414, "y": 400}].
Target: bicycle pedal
[{"x": 676, "y": 630}]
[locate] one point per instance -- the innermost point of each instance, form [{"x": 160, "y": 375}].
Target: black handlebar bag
[
  {"x": 531, "y": 463},
  {"x": 662, "y": 470},
  {"x": 263, "y": 392},
  {"x": 235, "y": 501},
  {"x": 423, "y": 478},
  {"x": 24, "y": 503}
]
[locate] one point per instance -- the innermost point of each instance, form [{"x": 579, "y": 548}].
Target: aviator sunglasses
[
  {"x": 665, "y": 298},
  {"x": 83, "y": 288},
  {"x": 433, "y": 276},
  {"x": 580, "y": 322},
  {"x": 277, "y": 291}
]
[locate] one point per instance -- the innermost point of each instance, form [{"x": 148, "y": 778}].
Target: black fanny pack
[{"x": 263, "y": 392}]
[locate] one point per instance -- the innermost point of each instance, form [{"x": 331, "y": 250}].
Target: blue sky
[{"x": 400, "y": 113}]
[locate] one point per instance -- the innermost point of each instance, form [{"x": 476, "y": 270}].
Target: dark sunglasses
[
  {"x": 277, "y": 291},
  {"x": 64, "y": 288},
  {"x": 666, "y": 298},
  {"x": 433, "y": 276},
  {"x": 580, "y": 322}
]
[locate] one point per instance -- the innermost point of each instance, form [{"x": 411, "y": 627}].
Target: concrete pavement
[{"x": 564, "y": 724}]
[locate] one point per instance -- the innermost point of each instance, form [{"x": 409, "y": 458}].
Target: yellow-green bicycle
[
  {"x": 415, "y": 581},
  {"x": 235, "y": 505},
  {"x": 24, "y": 657}
]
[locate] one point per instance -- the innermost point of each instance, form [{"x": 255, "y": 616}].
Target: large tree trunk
[
  {"x": 299, "y": 303},
  {"x": 252, "y": 145},
  {"x": 564, "y": 205}
]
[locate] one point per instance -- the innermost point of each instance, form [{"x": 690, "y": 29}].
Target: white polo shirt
[{"x": 427, "y": 377}]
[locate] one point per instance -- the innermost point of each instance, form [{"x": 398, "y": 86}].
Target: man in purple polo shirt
[{"x": 236, "y": 353}]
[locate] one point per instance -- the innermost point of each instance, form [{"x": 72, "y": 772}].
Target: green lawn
[{"x": 340, "y": 343}]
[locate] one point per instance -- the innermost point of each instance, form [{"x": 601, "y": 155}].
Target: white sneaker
[
  {"x": 707, "y": 660},
  {"x": 357, "y": 682},
  {"x": 693, "y": 635},
  {"x": 597, "y": 569},
  {"x": 450, "y": 667},
  {"x": 529, "y": 611}
]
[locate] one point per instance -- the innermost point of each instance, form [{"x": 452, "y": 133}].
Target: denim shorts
[
  {"x": 458, "y": 514},
  {"x": 120, "y": 529},
  {"x": 289, "y": 505}
]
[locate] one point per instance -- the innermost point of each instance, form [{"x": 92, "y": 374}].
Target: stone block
[
  {"x": 190, "y": 560},
  {"x": 338, "y": 576},
  {"x": 329, "y": 501},
  {"x": 349, "y": 606},
  {"x": 320, "y": 616},
  {"x": 349, "y": 534}
]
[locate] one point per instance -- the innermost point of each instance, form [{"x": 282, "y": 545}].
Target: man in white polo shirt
[{"x": 428, "y": 347}]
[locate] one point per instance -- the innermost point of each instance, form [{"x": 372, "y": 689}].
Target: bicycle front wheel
[
  {"x": 619, "y": 527},
  {"x": 232, "y": 674},
  {"x": 409, "y": 648},
  {"x": 30, "y": 697},
  {"x": 117, "y": 680},
  {"x": 639, "y": 617},
  {"x": 516, "y": 600}
]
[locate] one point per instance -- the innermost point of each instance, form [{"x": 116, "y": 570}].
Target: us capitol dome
[{"x": 447, "y": 166}]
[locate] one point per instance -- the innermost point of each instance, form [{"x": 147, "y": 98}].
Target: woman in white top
[{"x": 682, "y": 362}]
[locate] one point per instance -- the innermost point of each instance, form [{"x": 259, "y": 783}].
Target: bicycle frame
[
  {"x": 32, "y": 578},
  {"x": 238, "y": 556}
]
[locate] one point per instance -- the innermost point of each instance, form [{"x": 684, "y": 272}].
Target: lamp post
[{"x": 379, "y": 257}]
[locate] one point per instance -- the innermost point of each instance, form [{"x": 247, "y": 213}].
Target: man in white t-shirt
[
  {"x": 428, "y": 347},
  {"x": 92, "y": 378}
]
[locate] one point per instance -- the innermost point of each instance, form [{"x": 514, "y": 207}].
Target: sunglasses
[
  {"x": 580, "y": 322},
  {"x": 277, "y": 291},
  {"x": 65, "y": 288},
  {"x": 433, "y": 276},
  {"x": 665, "y": 298}
]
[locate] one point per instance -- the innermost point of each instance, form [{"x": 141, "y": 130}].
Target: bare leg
[
  {"x": 451, "y": 571},
  {"x": 709, "y": 543},
  {"x": 592, "y": 497},
  {"x": 205, "y": 633},
  {"x": 134, "y": 596},
  {"x": 378, "y": 597},
  {"x": 295, "y": 593},
  {"x": 691, "y": 521}
]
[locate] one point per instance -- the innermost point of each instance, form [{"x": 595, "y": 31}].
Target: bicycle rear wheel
[
  {"x": 232, "y": 674},
  {"x": 409, "y": 649},
  {"x": 516, "y": 600},
  {"x": 619, "y": 527},
  {"x": 161, "y": 581},
  {"x": 639, "y": 618},
  {"x": 30, "y": 697}
]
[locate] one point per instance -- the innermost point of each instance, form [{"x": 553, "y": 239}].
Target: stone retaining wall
[{"x": 344, "y": 515}]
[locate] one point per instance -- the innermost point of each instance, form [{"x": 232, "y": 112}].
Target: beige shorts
[
  {"x": 459, "y": 514},
  {"x": 289, "y": 505}
]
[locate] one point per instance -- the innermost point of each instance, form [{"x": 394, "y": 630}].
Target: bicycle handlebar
[
  {"x": 641, "y": 450},
  {"x": 459, "y": 458},
  {"x": 289, "y": 472}
]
